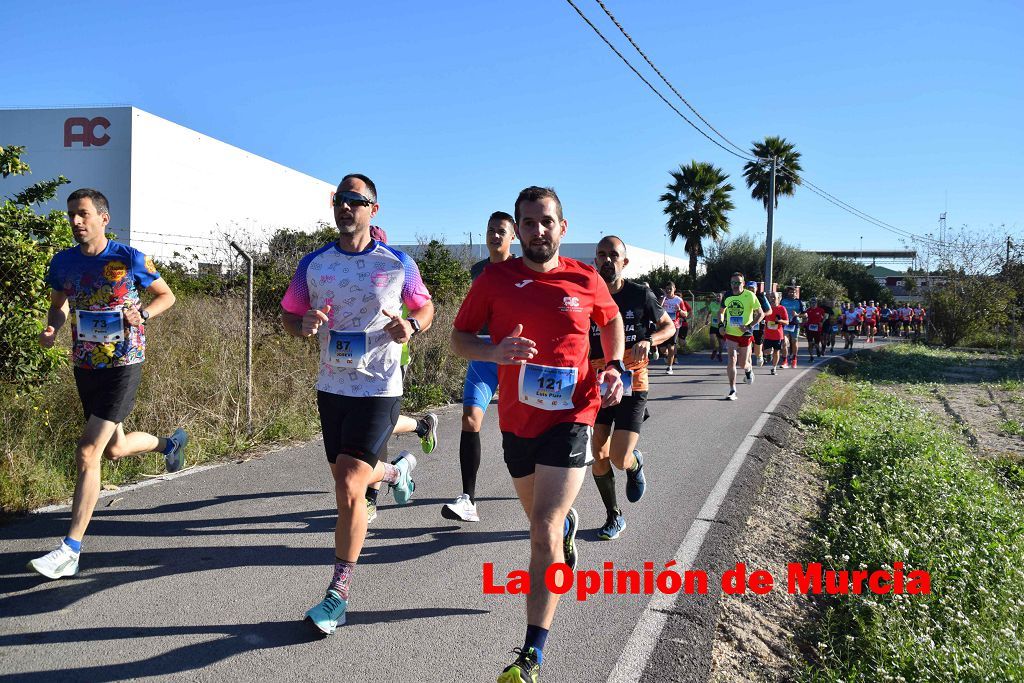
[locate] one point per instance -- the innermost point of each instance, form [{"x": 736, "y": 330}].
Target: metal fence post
[{"x": 248, "y": 334}]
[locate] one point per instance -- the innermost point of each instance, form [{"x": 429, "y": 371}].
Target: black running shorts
[
  {"x": 108, "y": 393},
  {"x": 357, "y": 426},
  {"x": 772, "y": 345},
  {"x": 758, "y": 335},
  {"x": 629, "y": 414},
  {"x": 671, "y": 341},
  {"x": 682, "y": 332},
  {"x": 565, "y": 445}
]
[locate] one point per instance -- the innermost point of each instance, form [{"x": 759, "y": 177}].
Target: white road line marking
[{"x": 633, "y": 660}]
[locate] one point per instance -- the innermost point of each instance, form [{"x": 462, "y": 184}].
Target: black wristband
[{"x": 617, "y": 364}]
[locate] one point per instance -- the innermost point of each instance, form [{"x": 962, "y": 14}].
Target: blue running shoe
[
  {"x": 403, "y": 488},
  {"x": 328, "y": 614},
  {"x": 636, "y": 482},
  {"x": 569, "y": 538},
  {"x": 176, "y": 458},
  {"x": 615, "y": 525}
]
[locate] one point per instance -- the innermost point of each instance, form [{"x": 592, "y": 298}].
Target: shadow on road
[
  {"x": 229, "y": 640},
  {"x": 25, "y": 593}
]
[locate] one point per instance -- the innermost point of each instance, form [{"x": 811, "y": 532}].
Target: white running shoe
[
  {"x": 57, "y": 563},
  {"x": 773, "y": 371},
  {"x": 732, "y": 395},
  {"x": 748, "y": 376},
  {"x": 462, "y": 509},
  {"x": 669, "y": 371}
]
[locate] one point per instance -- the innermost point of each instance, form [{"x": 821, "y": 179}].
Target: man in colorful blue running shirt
[{"x": 97, "y": 284}]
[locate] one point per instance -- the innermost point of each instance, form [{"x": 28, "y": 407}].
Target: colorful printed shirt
[
  {"x": 110, "y": 282},
  {"x": 555, "y": 309},
  {"x": 357, "y": 357}
]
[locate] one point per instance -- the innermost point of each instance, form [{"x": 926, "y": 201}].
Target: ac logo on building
[{"x": 83, "y": 130}]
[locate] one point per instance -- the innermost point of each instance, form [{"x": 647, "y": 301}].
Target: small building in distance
[
  {"x": 171, "y": 189},
  {"x": 906, "y": 287}
]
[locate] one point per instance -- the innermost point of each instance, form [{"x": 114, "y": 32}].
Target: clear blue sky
[{"x": 454, "y": 107}]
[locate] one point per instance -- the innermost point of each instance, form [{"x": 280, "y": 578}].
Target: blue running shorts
[{"x": 480, "y": 385}]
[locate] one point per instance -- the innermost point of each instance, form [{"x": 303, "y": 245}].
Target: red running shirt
[
  {"x": 816, "y": 316},
  {"x": 773, "y": 322},
  {"x": 555, "y": 309}
]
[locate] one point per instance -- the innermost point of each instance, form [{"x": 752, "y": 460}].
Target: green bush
[
  {"x": 27, "y": 243},
  {"x": 443, "y": 274},
  {"x": 903, "y": 488}
]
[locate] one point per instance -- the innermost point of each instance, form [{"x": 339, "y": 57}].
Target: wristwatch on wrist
[
  {"x": 145, "y": 314},
  {"x": 617, "y": 364},
  {"x": 415, "y": 326}
]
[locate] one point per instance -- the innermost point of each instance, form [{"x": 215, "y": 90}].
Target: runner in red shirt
[
  {"x": 538, "y": 310},
  {"x": 815, "y": 329},
  {"x": 774, "y": 321}
]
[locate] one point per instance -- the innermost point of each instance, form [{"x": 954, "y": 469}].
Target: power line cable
[
  {"x": 649, "y": 85},
  {"x": 854, "y": 210},
  {"x": 662, "y": 76},
  {"x": 813, "y": 188}
]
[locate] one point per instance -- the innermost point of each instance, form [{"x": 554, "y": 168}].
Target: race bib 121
[{"x": 547, "y": 387}]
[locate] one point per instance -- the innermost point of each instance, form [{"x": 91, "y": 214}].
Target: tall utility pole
[{"x": 769, "y": 252}]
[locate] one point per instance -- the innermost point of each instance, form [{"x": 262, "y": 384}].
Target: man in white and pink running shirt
[{"x": 349, "y": 294}]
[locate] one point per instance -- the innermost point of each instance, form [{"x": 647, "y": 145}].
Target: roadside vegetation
[
  {"x": 195, "y": 367},
  {"x": 907, "y": 483}
]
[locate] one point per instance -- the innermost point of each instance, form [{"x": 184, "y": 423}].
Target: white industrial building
[{"x": 170, "y": 188}]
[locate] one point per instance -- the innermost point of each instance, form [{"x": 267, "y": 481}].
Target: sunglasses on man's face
[
  {"x": 352, "y": 199},
  {"x": 736, "y": 282}
]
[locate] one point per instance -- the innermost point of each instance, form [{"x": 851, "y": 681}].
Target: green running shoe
[
  {"x": 569, "y": 539},
  {"x": 328, "y": 614},
  {"x": 524, "y": 670},
  {"x": 429, "y": 442}
]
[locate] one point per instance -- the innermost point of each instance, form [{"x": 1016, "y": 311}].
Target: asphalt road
[{"x": 206, "y": 577}]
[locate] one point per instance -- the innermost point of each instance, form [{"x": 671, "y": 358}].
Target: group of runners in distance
[{"x": 565, "y": 346}]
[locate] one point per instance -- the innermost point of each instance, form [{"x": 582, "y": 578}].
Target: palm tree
[
  {"x": 696, "y": 203},
  {"x": 758, "y": 174}
]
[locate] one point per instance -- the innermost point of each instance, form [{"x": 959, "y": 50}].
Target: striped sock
[{"x": 342, "y": 575}]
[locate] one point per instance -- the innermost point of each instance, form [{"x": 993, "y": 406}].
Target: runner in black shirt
[{"x": 640, "y": 313}]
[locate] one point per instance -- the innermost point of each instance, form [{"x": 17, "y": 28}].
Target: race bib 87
[{"x": 346, "y": 349}]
